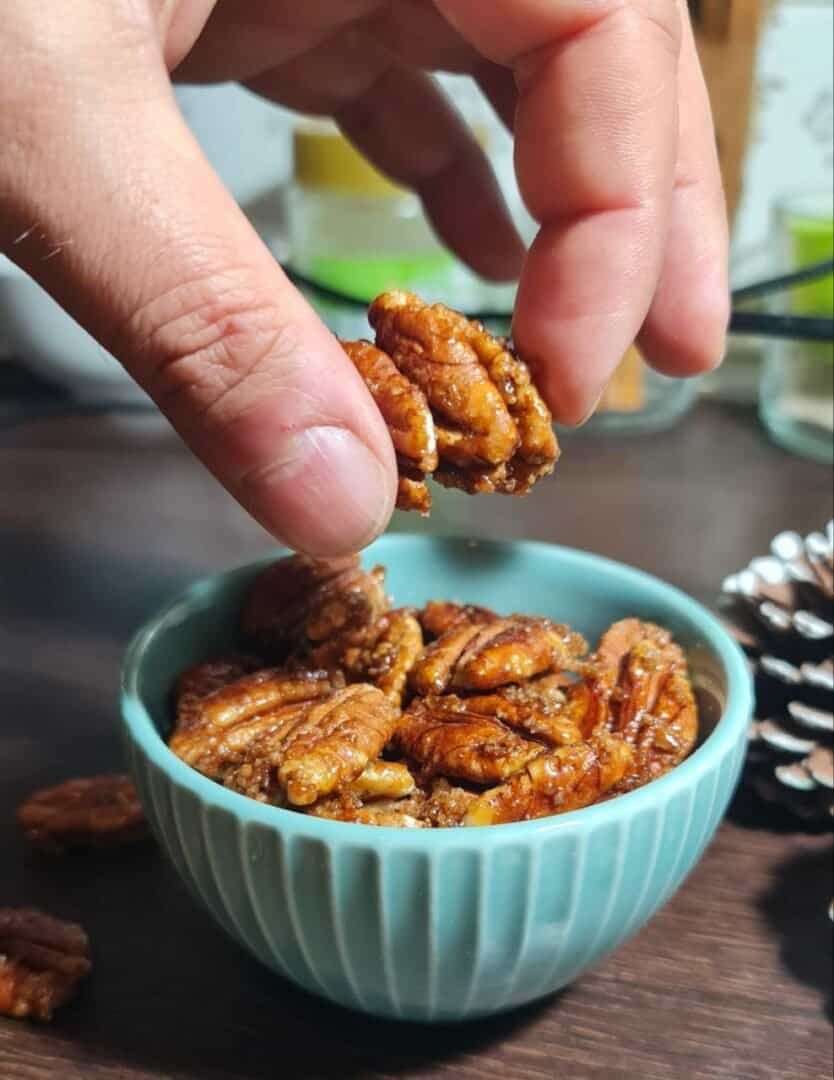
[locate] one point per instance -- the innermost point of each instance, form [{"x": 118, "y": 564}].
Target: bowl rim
[{"x": 730, "y": 729}]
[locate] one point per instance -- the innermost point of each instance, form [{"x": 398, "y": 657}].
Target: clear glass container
[{"x": 797, "y": 389}]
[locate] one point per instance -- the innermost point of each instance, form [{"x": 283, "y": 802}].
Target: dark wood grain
[{"x": 102, "y": 517}]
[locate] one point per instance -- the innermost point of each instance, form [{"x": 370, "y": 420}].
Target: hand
[{"x": 107, "y": 201}]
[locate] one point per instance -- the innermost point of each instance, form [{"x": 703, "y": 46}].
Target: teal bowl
[{"x": 447, "y": 924}]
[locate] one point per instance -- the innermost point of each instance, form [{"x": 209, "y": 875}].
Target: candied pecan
[
  {"x": 42, "y": 961},
  {"x": 478, "y": 656},
  {"x": 387, "y": 813},
  {"x": 442, "y": 806},
  {"x": 406, "y": 412},
  {"x": 494, "y": 432},
  {"x": 198, "y": 682},
  {"x": 382, "y": 654},
  {"x": 460, "y": 743},
  {"x": 94, "y": 813},
  {"x": 438, "y": 617},
  {"x": 655, "y": 709},
  {"x": 553, "y": 783},
  {"x": 222, "y": 724},
  {"x": 298, "y": 601},
  {"x": 384, "y": 780},
  {"x": 539, "y": 712},
  {"x": 298, "y": 751}
]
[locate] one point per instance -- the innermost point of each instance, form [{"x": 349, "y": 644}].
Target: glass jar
[
  {"x": 797, "y": 389},
  {"x": 354, "y": 232},
  {"x": 639, "y": 399}
]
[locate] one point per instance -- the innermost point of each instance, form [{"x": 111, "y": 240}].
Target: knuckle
[
  {"x": 203, "y": 343},
  {"x": 662, "y": 19}
]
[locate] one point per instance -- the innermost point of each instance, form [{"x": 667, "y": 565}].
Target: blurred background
[{"x": 347, "y": 233}]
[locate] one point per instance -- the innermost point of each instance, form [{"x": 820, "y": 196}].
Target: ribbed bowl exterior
[{"x": 430, "y": 926}]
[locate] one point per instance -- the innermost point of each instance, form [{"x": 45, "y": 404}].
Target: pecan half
[
  {"x": 438, "y": 617},
  {"x": 480, "y": 656},
  {"x": 441, "y": 806},
  {"x": 94, "y": 813},
  {"x": 492, "y": 430},
  {"x": 42, "y": 962},
  {"x": 298, "y": 602},
  {"x": 553, "y": 783},
  {"x": 382, "y": 654},
  {"x": 288, "y": 736},
  {"x": 456, "y": 742},
  {"x": 406, "y": 412}
]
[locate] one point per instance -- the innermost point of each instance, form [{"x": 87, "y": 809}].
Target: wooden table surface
[{"x": 101, "y": 517}]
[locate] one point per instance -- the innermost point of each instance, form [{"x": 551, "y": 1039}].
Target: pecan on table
[
  {"x": 298, "y": 602},
  {"x": 569, "y": 778},
  {"x": 478, "y": 656},
  {"x": 42, "y": 962},
  {"x": 94, "y": 813},
  {"x": 494, "y": 432},
  {"x": 382, "y": 654},
  {"x": 406, "y": 412}
]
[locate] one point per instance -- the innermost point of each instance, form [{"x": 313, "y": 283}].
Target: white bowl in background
[{"x": 39, "y": 334}]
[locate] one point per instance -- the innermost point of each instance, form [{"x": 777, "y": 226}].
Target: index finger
[{"x": 596, "y": 143}]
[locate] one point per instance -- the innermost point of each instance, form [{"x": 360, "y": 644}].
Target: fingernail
[
  {"x": 325, "y": 493},
  {"x": 592, "y": 411}
]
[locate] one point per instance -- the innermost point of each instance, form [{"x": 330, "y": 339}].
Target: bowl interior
[{"x": 583, "y": 590}]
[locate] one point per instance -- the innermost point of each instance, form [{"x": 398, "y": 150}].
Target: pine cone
[{"x": 782, "y": 608}]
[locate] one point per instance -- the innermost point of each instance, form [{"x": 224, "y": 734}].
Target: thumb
[{"x": 109, "y": 203}]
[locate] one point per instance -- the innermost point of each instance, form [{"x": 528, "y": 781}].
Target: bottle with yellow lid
[{"x": 354, "y": 232}]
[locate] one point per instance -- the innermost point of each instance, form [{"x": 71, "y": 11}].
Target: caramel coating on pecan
[
  {"x": 299, "y": 601},
  {"x": 654, "y": 709},
  {"x": 541, "y": 713},
  {"x": 553, "y": 783},
  {"x": 474, "y": 656},
  {"x": 440, "y": 806},
  {"x": 93, "y": 813},
  {"x": 199, "y": 681},
  {"x": 332, "y": 742},
  {"x": 223, "y": 724},
  {"x": 438, "y": 617},
  {"x": 494, "y": 432},
  {"x": 406, "y": 412},
  {"x": 42, "y": 962},
  {"x": 288, "y": 735},
  {"x": 382, "y": 654},
  {"x": 460, "y": 743},
  {"x": 384, "y": 780}
]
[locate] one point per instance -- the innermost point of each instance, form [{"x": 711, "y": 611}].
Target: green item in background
[
  {"x": 812, "y": 241},
  {"x": 365, "y": 278}
]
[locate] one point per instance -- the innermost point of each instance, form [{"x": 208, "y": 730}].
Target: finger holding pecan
[
  {"x": 553, "y": 783},
  {"x": 99, "y": 813},
  {"x": 298, "y": 602},
  {"x": 42, "y": 962}
]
